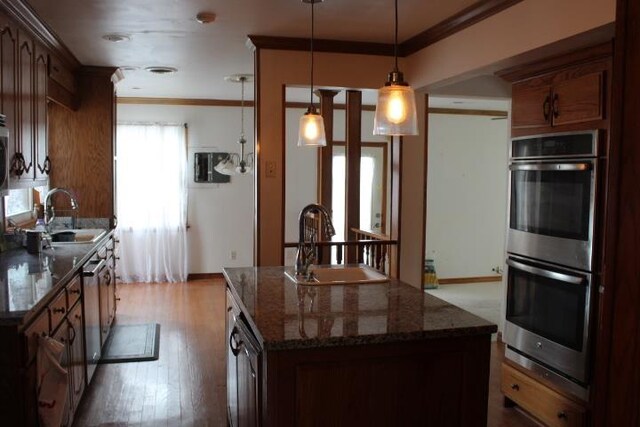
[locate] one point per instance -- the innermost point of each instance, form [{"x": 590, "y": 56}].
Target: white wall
[
  {"x": 220, "y": 215},
  {"x": 466, "y": 194}
]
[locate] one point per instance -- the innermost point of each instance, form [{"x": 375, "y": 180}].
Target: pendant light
[
  {"x": 234, "y": 163},
  {"x": 311, "y": 130},
  {"x": 396, "y": 107}
]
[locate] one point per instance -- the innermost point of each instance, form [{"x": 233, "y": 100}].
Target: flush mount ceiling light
[
  {"x": 161, "y": 70},
  {"x": 205, "y": 17},
  {"x": 396, "y": 107},
  {"x": 311, "y": 132},
  {"x": 117, "y": 38},
  {"x": 235, "y": 163}
]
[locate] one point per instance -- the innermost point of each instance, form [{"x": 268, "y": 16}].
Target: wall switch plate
[
  {"x": 233, "y": 255},
  {"x": 270, "y": 171}
]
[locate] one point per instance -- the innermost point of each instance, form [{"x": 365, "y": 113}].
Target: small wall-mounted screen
[{"x": 204, "y": 164}]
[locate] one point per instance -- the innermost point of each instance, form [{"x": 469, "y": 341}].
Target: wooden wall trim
[
  {"x": 475, "y": 279},
  {"x": 23, "y": 13},
  {"x": 467, "y": 112},
  {"x": 320, "y": 45},
  {"x": 353, "y": 152},
  {"x": 467, "y": 17},
  {"x": 184, "y": 101},
  {"x": 554, "y": 63}
]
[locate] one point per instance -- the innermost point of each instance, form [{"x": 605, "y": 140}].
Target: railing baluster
[{"x": 339, "y": 254}]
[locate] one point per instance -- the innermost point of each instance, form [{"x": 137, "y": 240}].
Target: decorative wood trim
[
  {"x": 467, "y": 17},
  {"x": 204, "y": 276},
  {"x": 23, "y": 13},
  {"x": 423, "y": 230},
  {"x": 396, "y": 204},
  {"x": 184, "y": 101},
  {"x": 466, "y": 112},
  {"x": 616, "y": 395},
  {"x": 554, "y": 63},
  {"x": 319, "y": 45},
  {"x": 353, "y": 153},
  {"x": 477, "y": 279}
]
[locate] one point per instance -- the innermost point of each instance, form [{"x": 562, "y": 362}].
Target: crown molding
[
  {"x": 467, "y": 17},
  {"x": 319, "y": 45},
  {"x": 23, "y": 14}
]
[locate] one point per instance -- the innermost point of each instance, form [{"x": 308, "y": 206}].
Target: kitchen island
[{"x": 367, "y": 354}]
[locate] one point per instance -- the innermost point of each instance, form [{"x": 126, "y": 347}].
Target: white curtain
[{"x": 151, "y": 202}]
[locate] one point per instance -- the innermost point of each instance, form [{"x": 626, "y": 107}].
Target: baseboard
[
  {"x": 201, "y": 276},
  {"x": 479, "y": 279}
]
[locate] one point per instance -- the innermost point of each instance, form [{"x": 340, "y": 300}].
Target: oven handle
[
  {"x": 575, "y": 280},
  {"x": 559, "y": 167}
]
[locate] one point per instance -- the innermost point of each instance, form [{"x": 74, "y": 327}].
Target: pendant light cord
[
  {"x": 395, "y": 42},
  {"x": 242, "y": 80},
  {"x": 311, "y": 92}
]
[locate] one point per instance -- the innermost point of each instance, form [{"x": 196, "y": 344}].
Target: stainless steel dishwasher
[{"x": 92, "y": 313}]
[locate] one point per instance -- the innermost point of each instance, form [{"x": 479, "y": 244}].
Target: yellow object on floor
[{"x": 430, "y": 277}]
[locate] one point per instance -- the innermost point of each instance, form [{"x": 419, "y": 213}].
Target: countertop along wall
[{"x": 220, "y": 215}]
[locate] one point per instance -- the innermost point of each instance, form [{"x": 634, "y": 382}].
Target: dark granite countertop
[
  {"x": 28, "y": 281},
  {"x": 286, "y": 316}
]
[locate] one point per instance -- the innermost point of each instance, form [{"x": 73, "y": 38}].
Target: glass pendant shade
[
  {"x": 396, "y": 111},
  {"x": 311, "y": 130}
]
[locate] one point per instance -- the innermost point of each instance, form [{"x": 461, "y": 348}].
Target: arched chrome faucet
[
  {"x": 307, "y": 251},
  {"x": 49, "y": 212}
]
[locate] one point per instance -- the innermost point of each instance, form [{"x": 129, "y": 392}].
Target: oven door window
[
  {"x": 548, "y": 307},
  {"x": 551, "y": 202}
]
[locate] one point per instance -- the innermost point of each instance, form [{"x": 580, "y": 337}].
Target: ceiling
[{"x": 165, "y": 33}]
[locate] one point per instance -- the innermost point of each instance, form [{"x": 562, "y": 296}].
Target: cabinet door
[
  {"x": 76, "y": 355},
  {"x": 41, "y": 161},
  {"x": 232, "y": 366},
  {"x": 531, "y": 105},
  {"x": 8, "y": 81},
  {"x": 25, "y": 104},
  {"x": 62, "y": 335},
  {"x": 579, "y": 99},
  {"x": 247, "y": 386},
  {"x": 103, "y": 276}
]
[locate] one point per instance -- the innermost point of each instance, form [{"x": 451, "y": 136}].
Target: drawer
[
  {"x": 61, "y": 74},
  {"x": 74, "y": 291},
  {"x": 58, "y": 310},
  {"x": 39, "y": 327},
  {"x": 549, "y": 406}
]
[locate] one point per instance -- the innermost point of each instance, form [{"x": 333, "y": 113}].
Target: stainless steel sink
[
  {"x": 339, "y": 275},
  {"x": 80, "y": 235}
]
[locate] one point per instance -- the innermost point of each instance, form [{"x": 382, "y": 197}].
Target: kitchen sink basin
[
  {"x": 340, "y": 275},
  {"x": 76, "y": 236}
]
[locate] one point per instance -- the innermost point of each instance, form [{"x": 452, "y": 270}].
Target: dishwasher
[{"x": 92, "y": 313}]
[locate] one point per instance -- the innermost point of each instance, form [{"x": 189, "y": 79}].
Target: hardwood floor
[{"x": 186, "y": 386}]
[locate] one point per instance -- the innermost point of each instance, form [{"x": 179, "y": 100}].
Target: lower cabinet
[{"x": 544, "y": 403}]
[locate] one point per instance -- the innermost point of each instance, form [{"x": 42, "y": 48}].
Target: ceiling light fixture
[
  {"x": 396, "y": 107},
  {"x": 205, "y": 17},
  {"x": 311, "y": 131},
  {"x": 161, "y": 70},
  {"x": 117, "y": 38},
  {"x": 234, "y": 163}
]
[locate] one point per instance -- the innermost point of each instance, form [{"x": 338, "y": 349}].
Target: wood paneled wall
[{"x": 81, "y": 145}]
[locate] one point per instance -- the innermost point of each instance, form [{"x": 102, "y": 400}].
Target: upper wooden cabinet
[
  {"x": 42, "y": 164},
  {"x": 574, "y": 95},
  {"x": 562, "y": 93}
]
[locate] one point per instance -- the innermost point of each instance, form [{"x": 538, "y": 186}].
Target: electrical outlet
[
  {"x": 233, "y": 255},
  {"x": 270, "y": 171}
]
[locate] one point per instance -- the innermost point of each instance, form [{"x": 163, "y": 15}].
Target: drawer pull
[
  {"x": 515, "y": 387},
  {"x": 74, "y": 291},
  {"x": 562, "y": 415},
  {"x": 59, "y": 310}
]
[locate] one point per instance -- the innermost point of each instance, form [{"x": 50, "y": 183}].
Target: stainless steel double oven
[{"x": 550, "y": 255}]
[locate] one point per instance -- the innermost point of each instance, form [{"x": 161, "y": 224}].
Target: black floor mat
[{"x": 132, "y": 343}]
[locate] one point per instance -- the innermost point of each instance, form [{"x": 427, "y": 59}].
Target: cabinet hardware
[
  {"x": 546, "y": 105},
  {"x": 59, "y": 310},
  {"x": 74, "y": 291},
  {"x": 47, "y": 165},
  {"x": 563, "y": 415},
  {"x": 72, "y": 339},
  {"x": 556, "y": 110},
  {"x": 515, "y": 387}
]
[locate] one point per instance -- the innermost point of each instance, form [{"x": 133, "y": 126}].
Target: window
[{"x": 18, "y": 204}]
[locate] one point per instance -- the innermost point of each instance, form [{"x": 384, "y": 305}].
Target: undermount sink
[
  {"x": 75, "y": 236},
  {"x": 340, "y": 275}
]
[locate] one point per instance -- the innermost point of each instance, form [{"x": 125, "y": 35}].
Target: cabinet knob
[
  {"x": 556, "y": 110},
  {"x": 515, "y": 387},
  {"x": 562, "y": 415},
  {"x": 74, "y": 291},
  {"x": 59, "y": 310}
]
